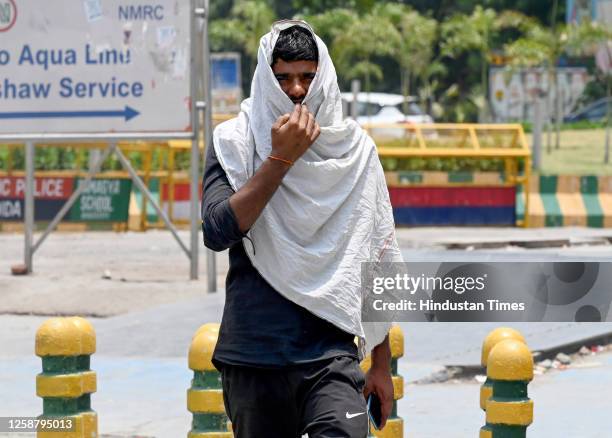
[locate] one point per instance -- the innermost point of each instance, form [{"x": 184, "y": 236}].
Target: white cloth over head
[{"x": 332, "y": 210}]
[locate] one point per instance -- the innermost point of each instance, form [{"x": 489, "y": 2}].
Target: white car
[{"x": 384, "y": 108}]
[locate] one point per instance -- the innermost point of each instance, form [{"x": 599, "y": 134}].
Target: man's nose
[{"x": 297, "y": 90}]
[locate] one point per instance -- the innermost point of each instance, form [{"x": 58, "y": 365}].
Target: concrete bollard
[
  {"x": 205, "y": 397},
  {"x": 509, "y": 410},
  {"x": 492, "y": 339},
  {"x": 395, "y": 425},
  {"x": 66, "y": 382}
]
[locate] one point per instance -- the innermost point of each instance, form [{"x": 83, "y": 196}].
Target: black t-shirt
[{"x": 259, "y": 327}]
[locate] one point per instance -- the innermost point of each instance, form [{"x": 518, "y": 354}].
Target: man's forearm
[
  {"x": 381, "y": 355},
  {"x": 248, "y": 202}
]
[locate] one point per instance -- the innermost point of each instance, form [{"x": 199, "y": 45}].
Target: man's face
[{"x": 294, "y": 77}]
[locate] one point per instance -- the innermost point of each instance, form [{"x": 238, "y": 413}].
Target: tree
[
  {"x": 415, "y": 46},
  {"x": 542, "y": 46},
  {"x": 367, "y": 37},
  {"x": 249, "y": 21},
  {"x": 312, "y": 7},
  {"x": 477, "y": 32},
  {"x": 332, "y": 23},
  {"x": 443, "y": 9}
]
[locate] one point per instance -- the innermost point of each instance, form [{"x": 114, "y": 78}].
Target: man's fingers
[
  {"x": 295, "y": 115},
  {"x": 303, "y": 117},
  {"x": 385, "y": 410},
  {"x": 281, "y": 121},
  {"x": 310, "y": 124},
  {"x": 386, "y": 404}
]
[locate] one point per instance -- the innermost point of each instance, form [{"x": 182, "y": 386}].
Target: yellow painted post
[
  {"x": 419, "y": 135},
  {"x": 148, "y": 159},
  {"x": 495, "y": 337},
  {"x": 510, "y": 172},
  {"x": 67, "y": 382},
  {"x": 395, "y": 425},
  {"x": 474, "y": 137},
  {"x": 205, "y": 397},
  {"x": 526, "y": 189},
  {"x": 170, "y": 183},
  {"x": 509, "y": 410}
]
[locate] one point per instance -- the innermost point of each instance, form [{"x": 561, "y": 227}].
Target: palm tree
[
  {"x": 249, "y": 21},
  {"x": 542, "y": 46},
  {"x": 366, "y": 37},
  {"x": 477, "y": 31},
  {"x": 415, "y": 47},
  {"x": 331, "y": 23}
]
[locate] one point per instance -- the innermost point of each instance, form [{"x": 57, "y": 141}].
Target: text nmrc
[{"x": 141, "y": 12}]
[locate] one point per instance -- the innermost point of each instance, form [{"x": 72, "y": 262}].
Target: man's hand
[
  {"x": 293, "y": 133},
  {"x": 378, "y": 379}
]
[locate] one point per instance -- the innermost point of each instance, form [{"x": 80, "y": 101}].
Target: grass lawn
[{"x": 581, "y": 153}]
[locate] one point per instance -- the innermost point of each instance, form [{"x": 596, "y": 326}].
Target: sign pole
[
  {"x": 196, "y": 70},
  {"x": 29, "y": 205},
  {"x": 537, "y": 130},
  {"x": 560, "y": 97},
  {"x": 195, "y": 161},
  {"x": 211, "y": 261},
  {"x": 355, "y": 85}
]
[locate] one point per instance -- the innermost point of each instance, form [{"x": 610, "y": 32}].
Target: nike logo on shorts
[{"x": 354, "y": 415}]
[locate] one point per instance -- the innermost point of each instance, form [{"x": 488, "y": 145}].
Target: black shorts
[{"x": 321, "y": 399}]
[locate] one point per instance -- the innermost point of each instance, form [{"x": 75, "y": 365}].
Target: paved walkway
[
  {"x": 145, "y": 396},
  {"x": 151, "y": 312},
  {"x": 107, "y": 274},
  {"x": 573, "y": 403},
  {"x": 141, "y": 362}
]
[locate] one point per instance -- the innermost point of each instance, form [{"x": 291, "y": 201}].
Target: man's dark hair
[{"x": 295, "y": 44}]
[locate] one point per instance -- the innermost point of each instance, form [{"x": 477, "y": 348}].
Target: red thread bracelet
[{"x": 272, "y": 157}]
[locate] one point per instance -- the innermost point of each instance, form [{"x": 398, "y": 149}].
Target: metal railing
[
  {"x": 463, "y": 140},
  {"x": 394, "y": 140}
]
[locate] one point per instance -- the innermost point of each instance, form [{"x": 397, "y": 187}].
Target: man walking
[{"x": 298, "y": 196}]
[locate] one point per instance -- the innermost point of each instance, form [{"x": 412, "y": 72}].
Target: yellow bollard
[
  {"x": 66, "y": 383},
  {"x": 395, "y": 425},
  {"x": 205, "y": 397},
  {"x": 509, "y": 409},
  {"x": 492, "y": 339}
]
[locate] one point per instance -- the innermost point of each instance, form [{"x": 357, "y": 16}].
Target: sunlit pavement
[{"x": 141, "y": 358}]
